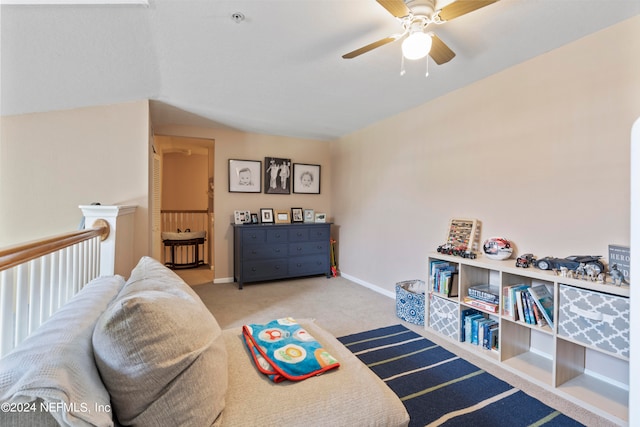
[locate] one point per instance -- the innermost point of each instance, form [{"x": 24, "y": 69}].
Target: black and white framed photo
[
  {"x": 309, "y": 215},
  {"x": 277, "y": 175},
  {"x": 266, "y": 215},
  {"x": 306, "y": 178},
  {"x": 245, "y": 176},
  {"x": 297, "y": 215}
]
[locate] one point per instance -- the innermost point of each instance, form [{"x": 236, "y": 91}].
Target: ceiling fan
[{"x": 415, "y": 16}]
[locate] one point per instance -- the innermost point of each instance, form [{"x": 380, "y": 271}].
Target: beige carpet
[{"x": 341, "y": 307}]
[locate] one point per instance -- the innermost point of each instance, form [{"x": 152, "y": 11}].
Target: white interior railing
[{"x": 37, "y": 278}]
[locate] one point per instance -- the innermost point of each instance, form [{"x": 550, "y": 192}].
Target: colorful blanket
[{"x": 283, "y": 350}]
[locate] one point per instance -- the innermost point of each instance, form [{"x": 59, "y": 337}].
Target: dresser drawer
[
  {"x": 251, "y": 252},
  {"x": 443, "y": 316},
  {"x": 253, "y": 236},
  {"x": 299, "y": 234},
  {"x": 319, "y": 233},
  {"x": 277, "y": 236},
  {"x": 595, "y": 319},
  {"x": 307, "y": 248},
  {"x": 299, "y": 266},
  {"x": 264, "y": 270}
]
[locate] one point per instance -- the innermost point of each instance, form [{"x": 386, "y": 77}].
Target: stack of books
[
  {"x": 443, "y": 278},
  {"x": 479, "y": 329},
  {"x": 484, "y": 297},
  {"x": 531, "y": 305}
]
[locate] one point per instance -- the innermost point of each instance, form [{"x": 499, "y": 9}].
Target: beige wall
[
  {"x": 52, "y": 162},
  {"x": 231, "y": 144},
  {"x": 185, "y": 181},
  {"x": 539, "y": 153}
]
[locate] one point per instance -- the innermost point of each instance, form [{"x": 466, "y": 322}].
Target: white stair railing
[{"x": 37, "y": 278}]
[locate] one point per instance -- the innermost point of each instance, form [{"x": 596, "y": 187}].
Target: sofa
[{"x": 147, "y": 352}]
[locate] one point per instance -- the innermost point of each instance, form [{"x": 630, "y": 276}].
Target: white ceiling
[{"x": 279, "y": 71}]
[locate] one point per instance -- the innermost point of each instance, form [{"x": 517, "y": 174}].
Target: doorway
[{"x": 183, "y": 199}]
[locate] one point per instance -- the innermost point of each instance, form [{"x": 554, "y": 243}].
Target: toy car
[
  {"x": 525, "y": 260},
  {"x": 446, "y": 249},
  {"x": 571, "y": 262}
]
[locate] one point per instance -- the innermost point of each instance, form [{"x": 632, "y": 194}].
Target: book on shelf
[
  {"x": 468, "y": 325},
  {"x": 519, "y": 305},
  {"x": 494, "y": 334},
  {"x": 544, "y": 300},
  {"x": 464, "y": 313},
  {"x": 482, "y": 305},
  {"x": 488, "y": 293},
  {"x": 509, "y": 306},
  {"x": 539, "y": 318},
  {"x": 487, "y": 333}
]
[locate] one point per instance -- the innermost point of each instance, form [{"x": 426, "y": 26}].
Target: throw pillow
[{"x": 160, "y": 352}]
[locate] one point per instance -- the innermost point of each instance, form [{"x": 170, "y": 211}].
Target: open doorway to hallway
[{"x": 184, "y": 212}]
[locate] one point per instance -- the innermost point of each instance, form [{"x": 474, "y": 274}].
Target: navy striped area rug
[{"x": 439, "y": 388}]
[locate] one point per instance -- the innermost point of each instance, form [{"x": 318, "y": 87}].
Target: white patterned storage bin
[
  {"x": 443, "y": 316},
  {"x": 596, "y": 319},
  {"x": 410, "y": 301}
]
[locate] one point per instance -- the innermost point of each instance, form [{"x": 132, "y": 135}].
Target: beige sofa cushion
[
  {"x": 351, "y": 395},
  {"x": 160, "y": 352},
  {"x": 55, "y": 365}
]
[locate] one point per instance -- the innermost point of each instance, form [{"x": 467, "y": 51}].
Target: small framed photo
[
  {"x": 241, "y": 217},
  {"x": 309, "y": 215},
  {"x": 277, "y": 175},
  {"x": 282, "y": 217},
  {"x": 306, "y": 178},
  {"x": 254, "y": 218},
  {"x": 297, "y": 215},
  {"x": 321, "y": 217},
  {"x": 245, "y": 176},
  {"x": 266, "y": 215}
]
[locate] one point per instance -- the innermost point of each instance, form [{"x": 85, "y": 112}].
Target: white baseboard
[
  {"x": 353, "y": 279},
  {"x": 371, "y": 286}
]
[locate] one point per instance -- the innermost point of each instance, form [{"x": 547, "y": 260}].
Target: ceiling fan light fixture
[{"x": 417, "y": 45}]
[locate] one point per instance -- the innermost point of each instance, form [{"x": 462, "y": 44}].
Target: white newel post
[{"x": 116, "y": 251}]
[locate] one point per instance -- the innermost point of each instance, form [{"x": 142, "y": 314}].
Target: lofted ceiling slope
[{"x": 277, "y": 72}]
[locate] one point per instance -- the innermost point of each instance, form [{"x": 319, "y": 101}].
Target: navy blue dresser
[{"x": 278, "y": 251}]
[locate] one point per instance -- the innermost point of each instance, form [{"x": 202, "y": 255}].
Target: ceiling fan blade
[
  {"x": 462, "y": 7},
  {"x": 440, "y": 52},
  {"x": 395, "y": 7},
  {"x": 369, "y": 47}
]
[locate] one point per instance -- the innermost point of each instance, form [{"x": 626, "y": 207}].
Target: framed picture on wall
[
  {"x": 245, "y": 176},
  {"x": 306, "y": 178},
  {"x": 277, "y": 175}
]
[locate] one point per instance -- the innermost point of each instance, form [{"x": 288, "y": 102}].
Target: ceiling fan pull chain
[
  {"x": 427, "y": 73},
  {"x": 402, "y": 70}
]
